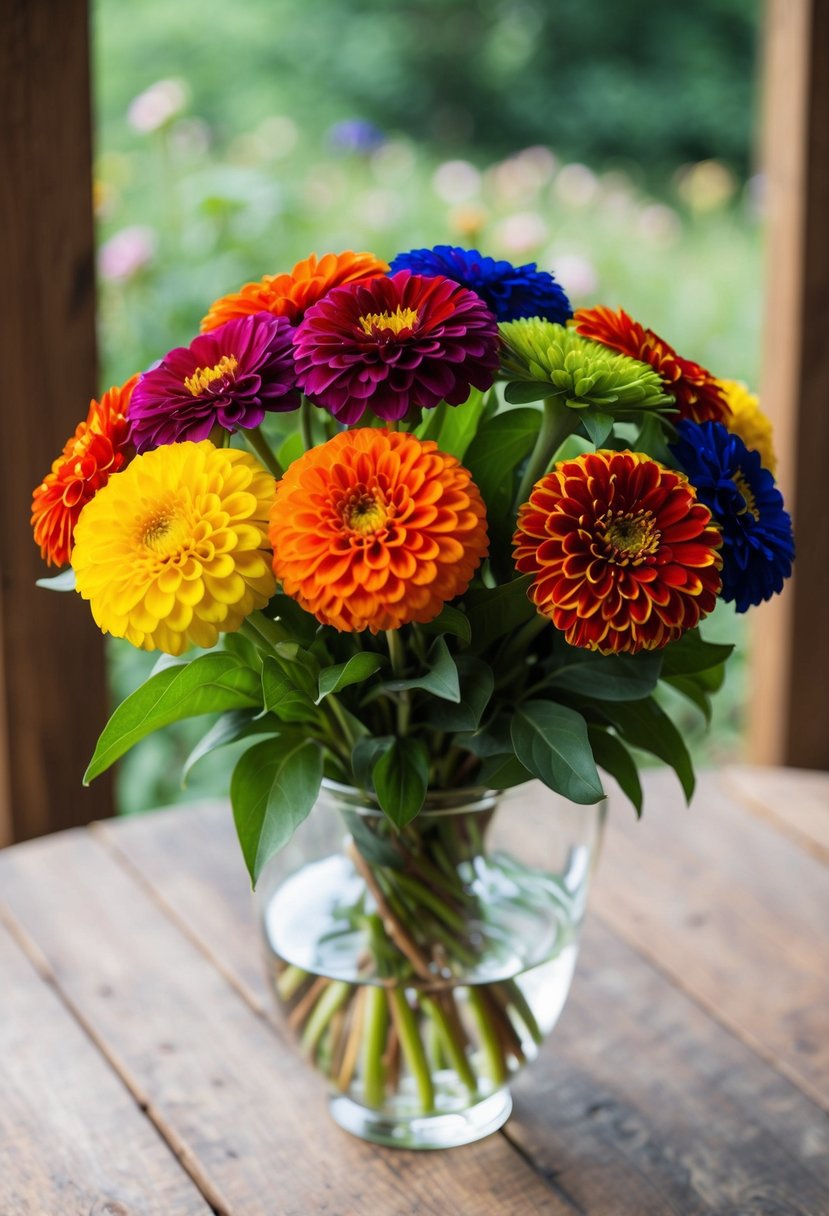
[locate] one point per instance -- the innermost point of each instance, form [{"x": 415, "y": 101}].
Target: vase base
[{"x": 440, "y": 1130}]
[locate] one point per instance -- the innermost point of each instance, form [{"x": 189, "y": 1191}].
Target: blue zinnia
[
  {"x": 509, "y": 291},
  {"x": 758, "y": 545}
]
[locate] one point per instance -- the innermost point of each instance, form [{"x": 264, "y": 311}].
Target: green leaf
[
  {"x": 364, "y": 756},
  {"x": 496, "y": 452},
  {"x": 691, "y": 654},
  {"x": 356, "y": 669},
  {"x": 502, "y": 773},
  {"x": 454, "y": 427},
  {"x": 441, "y": 679},
  {"x": 612, "y": 755},
  {"x": 291, "y": 449},
  {"x": 571, "y": 448},
  {"x": 401, "y": 776},
  {"x": 495, "y": 611},
  {"x": 302, "y": 625},
  {"x": 645, "y": 724},
  {"x": 274, "y": 786},
  {"x": 522, "y": 392},
  {"x": 653, "y": 437},
  {"x": 551, "y": 741},
  {"x": 611, "y": 677},
  {"x": 283, "y": 694},
  {"x": 449, "y": 620},
  {"x": 244, "y": 649},
  {"x": 65, "y": 581},
  {"x": 212, "y": 683},
  {"x": 693, "y": 692},
  {"x": 597, "y": 425},
  {"x": 376, "y": 850},
  {"x": 229, "y": 728},
  {"x": 299, "y": 665},
  {"x": 477, "y": 683}
]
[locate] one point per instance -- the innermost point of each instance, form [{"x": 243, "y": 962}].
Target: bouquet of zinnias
[{"x": 429, "y": 531}]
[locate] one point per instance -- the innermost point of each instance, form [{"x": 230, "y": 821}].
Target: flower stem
[
  {"x": 450, "y": 1042},
  {"x": 306, "y": 424},
  {"x": 262, "y": 449},
  {"x": 490, "y": 1046},
  {"x": 374, "y": 1042},
  {"x": 557, "y": 422},
  {"x": 329, "y": 1002},
  {"x": 412, "y": 1046}
]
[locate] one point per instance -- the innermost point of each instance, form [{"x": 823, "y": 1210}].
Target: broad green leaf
[
  {"x": 522, "y": 392},
  {"x": 597, "y": 425},
  {"x": 570, "y": 448},
  {"x": 645, "y": 725},
  {"x": 291, "y": 449},
  {"x": 284, "y": 691},
  {"x": 654, "y": 435},
  {"x": 212, "y": 683},
  {"x": 356, "y": 669},
  {"x": 691, "y": 654},
  {"x": 377, "y": 850},
  {"x": 274, "y": 786},
  {"x": 477, "y": 683},
  {"x": 229, "y": 728},
  {"x": 693, "y": 692},
  {"x": 494, "y": 740},
  {"x": 401, "y": 776},
  {"x": 299, "y": 665},
  {"x": 612, "y": 755},
  {"x": 364, "y": 755},
  {"x": 456, "y": 425},
  {"x": 497, "y": 450},
  {"x": 243, "y": 648},
  {"x": 441, "y": 679},
  {"x": 65, "y": 581},
  {"x": 303, "y": 627},
  {"x": 611, "y": 677},
  {"x": 450, "y": 620},
  {"x": 495, "y": 611},
  {"x": 551, "y": 741},
  {"x": 502, "y": 773}
]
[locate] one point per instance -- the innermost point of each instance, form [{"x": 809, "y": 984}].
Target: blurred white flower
[
  {"x": 378, "y": 208},
  {"x": 520, "y": 177},
  {"x": 521, "y": 233},
  {"x": 706, "y": 186},
  {"x": 576, "y": 273},
  {"x": 279, "y": 134},
  {"x": 659, "y": 224},
  {"x": 157, "y": 105},
  {"x": 576, "y": 185},
  {"x": 126, "y": 253},
  {"x": 190, "y": 138},
  {"x": 394, "y": 162},
  {"x": 455, "y": 181}
]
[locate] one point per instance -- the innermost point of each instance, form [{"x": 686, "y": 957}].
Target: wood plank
[
  {"x": 789, "y": 705},
  {"x": 72, "y": 1140},
  {"x": 734, "y": 911},
  {"x": 52, "y": 653},
  {"x": 796, "y": 801},
  {"x": 245, "y": 1114},
  {"x": 641, "y": 1102}
]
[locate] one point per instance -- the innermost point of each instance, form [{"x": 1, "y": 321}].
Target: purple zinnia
[
  {"x": 229, "y": 377},
  {"x": 510, "y": 291},
  {"x": 392, "y": 344}
]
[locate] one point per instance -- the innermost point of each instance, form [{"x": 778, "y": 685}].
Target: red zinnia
[
  {"x": 624, "y": 557},
  {"x": 698, "y": 394},
  {"x": 98, "y": 449}
]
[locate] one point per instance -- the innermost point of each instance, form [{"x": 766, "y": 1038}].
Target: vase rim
[{"x": 463, "y": 800}]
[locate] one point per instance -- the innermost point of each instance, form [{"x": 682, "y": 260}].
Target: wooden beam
[
  {"x": 53, "y": 693},
  {"x": 789, "y": 714}
]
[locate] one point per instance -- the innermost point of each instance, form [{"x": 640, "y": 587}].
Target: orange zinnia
[
  {"x": 375, "y": 529},
  {"x": 289, "y": 295},
  {"x": 698, "y": 394},
  {"x": 98, "y": 449}
]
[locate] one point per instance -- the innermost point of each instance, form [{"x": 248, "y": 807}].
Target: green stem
[
  {"x": 335, "y": 995},
  {"x": 449, "y": 1043},
  {"x": 396, "y": 653},
  {"x": 493, "y": 1056},
  {"x": 516, "y": 998},
  {"x": 306, "y": 424},
  {"x": 412, "y": 1047},
  {"x": 290, "y": 981},
  {"x": 374, "y": 1041},
  {"x": 557, "y": 422},
  {"x": 422, "y": 896},
  {"x": 262, "y": 449}
]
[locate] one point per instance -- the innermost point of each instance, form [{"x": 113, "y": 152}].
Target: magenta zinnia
[
  {"x": 174, "y": 550},
  {"x": 395, "y": 344},
  {"x": 623, "y": 556},
  {"x": 229, "y": 377}
]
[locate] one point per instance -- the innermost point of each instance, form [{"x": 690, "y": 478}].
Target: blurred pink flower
[
  {"x": 126, "y": 253},
  {"x": 158, "y": 104}
]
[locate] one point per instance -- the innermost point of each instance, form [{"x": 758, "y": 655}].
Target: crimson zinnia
[{"x": 623, "y": 556}]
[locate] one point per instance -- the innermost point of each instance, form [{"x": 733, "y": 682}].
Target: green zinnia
[{"x": 542, "y": 360}]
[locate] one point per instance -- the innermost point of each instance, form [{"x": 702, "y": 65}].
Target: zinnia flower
[
  {"x": 758, "y": 544},
  {"x": 290, "y": 295},
  {"x": 746, "y": 419},
  {"x": 553, "y": 361},
  {"x": 509, "y": 291},
  {"x": 623, "y": 556},
  {"x": 375, "y": 528},
  {"x": 174, "y": 550},
  {"x": 229, "y": 378},
  {"x": 99, "y": 448},
  {"x": 395, "y": 343},
  {"x": 698, "y": 394}
]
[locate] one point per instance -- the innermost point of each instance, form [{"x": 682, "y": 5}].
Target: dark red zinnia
[
  {"x": 391, "y": 344},
  {"x": 229, "y": 377},
  {"x": 698, "y": 394}
]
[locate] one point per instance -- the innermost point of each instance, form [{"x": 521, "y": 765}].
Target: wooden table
[{"x": 140, "y": 1071}]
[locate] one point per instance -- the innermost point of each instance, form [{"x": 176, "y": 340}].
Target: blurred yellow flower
[
  {"x": 749, "y": 422},
  {"x": 174, "y": 550}
]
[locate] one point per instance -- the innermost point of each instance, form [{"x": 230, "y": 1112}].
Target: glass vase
[{"x": 420, "y": 969}]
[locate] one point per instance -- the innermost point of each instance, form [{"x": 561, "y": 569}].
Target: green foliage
[
  {"x": 401, "y": 776},
  {"x": 551, "y": 742}
]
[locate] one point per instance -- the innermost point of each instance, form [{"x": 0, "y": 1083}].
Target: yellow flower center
[
  {"x": 387, "y": 323},
  {"x": 164, "y": 532},
  {"x": 748, "y": 495},
  {"x": 631, "y": 538},
  {"x": 203, "y": 377},
  {"x": 363, "y": 513}
]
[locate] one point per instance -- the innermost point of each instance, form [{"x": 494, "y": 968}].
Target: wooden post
[
  {"x": 789, "y": 703},
  {"x": 51, "y": 656}
]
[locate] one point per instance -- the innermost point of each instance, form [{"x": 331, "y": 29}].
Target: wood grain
[
  {"x": 52, "y": 654},
  {"x": 246, "y": 1116},
  {"x": 72, "y": 1139},
  {"x": 734, "y": 911},
  {"x": 795, "y": 801}
]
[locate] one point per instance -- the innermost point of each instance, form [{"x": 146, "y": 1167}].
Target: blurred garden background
[{"x": 614, "y": 144}]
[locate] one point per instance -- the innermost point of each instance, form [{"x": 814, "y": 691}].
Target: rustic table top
[{"x": 141, "y": 1072}]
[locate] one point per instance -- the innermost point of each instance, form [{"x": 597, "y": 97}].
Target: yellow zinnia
[
  {"x": 174, "y": 550},
  {"x": 749, "y": 422}
]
